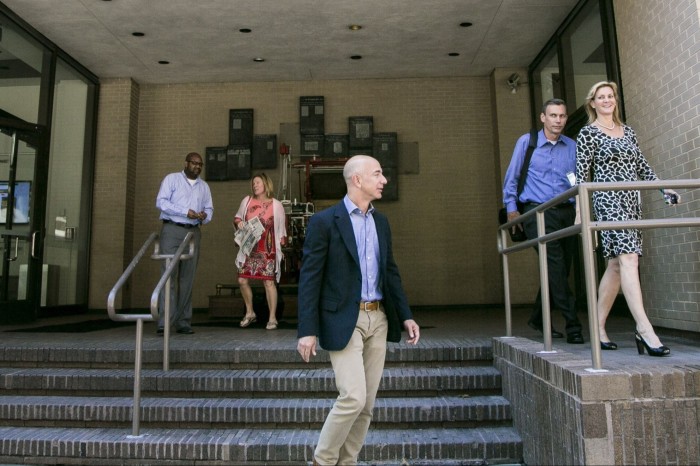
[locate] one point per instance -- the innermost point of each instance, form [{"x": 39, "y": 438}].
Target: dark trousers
[
  {"x": 181, "y": 282},
  {"x": 560, "y": 254}
]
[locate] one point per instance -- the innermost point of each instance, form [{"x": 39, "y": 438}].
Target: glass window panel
[
  {"x": 547, "y": 80},
  {"x": 21, "y": 63},
  {"x": 66, "y": 237},
  {"x": 583, "y": 43}
]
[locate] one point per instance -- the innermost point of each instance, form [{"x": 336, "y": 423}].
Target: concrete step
[
  {"x": 418, "y": 380},
  {"x": 205, "y": 354},
  {"x": 272, "y": 413},
  {"x": 107, "y": 447}
]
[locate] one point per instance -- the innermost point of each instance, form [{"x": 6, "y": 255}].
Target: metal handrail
[
  {"x": 586, "y": 229},
  {"x": 172, "y": 260}
]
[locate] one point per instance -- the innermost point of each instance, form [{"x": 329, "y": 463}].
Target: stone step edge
[
  {"x": 114, "y": 381},
  {"x": 246, "y": 445},
  {"x": 463, "y": 352},
  {"x": 193, "y": 411}
]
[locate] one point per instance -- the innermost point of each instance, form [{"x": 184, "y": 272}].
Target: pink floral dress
[{"x": 260, "y": 264}]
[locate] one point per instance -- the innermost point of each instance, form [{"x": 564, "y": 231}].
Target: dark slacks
[
  {"x": 181, "y": 282},
  {"x": 560, "y": 254}
]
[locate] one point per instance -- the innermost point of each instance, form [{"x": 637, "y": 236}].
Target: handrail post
[
  {"x": 502, "y": 239},
  {"x": 166, "y": 320},
  {"x": 136, "y": 411},
  {"x": 171, "y": 261},
  {"x": 544, "y": 282},
  {"x": 589, "y": 273}
]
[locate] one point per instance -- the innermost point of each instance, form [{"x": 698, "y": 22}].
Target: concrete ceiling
[{"x": 298, "y": 39}]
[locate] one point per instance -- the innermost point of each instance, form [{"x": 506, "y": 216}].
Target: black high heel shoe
[
  {"x": 608, "y": 345},
  {"x": 641, "y": 344}
]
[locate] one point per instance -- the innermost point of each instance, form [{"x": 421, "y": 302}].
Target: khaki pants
[{"x": 358, "y": 371}]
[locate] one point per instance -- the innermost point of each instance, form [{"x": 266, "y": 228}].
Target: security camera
[{"x": 513, "y": 82}]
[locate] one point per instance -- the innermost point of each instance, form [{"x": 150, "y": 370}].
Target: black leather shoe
[
  {"x": 534, "y": 326},
  {"x": 575, "y": 338},
  {"x": 185, "y": 331},
  {"x": 160, "y": 331}
]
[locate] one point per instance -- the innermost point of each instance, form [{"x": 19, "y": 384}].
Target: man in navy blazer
[{"x": 351, "y": 300}]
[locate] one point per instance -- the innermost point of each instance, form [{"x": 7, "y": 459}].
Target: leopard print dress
[{"x": 614, "y": 159}]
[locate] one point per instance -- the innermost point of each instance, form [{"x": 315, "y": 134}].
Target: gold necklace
[{"x": 609, "y": 128}]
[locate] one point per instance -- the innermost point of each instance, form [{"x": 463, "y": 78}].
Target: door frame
[{"x": 16, "y": 311}]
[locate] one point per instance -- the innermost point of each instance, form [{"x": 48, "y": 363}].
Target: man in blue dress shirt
[
  {"x": 185, "y": 203},
  {"x": 550, "y": 173},
  {"x": 352, "y": 300}
]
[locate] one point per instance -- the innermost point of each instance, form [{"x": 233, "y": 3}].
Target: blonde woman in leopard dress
[{"x": 608, "y": 148}]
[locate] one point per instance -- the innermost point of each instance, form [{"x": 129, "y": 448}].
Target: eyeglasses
[{"x": 196, "y": 164}]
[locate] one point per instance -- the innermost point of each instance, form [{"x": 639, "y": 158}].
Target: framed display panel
[
  {"x": 21, "y": 201},
  {"x": 311, "y": 114},
  {"x": 335, "y": 145},
  {"x": 265, "y": 151},
  {"x": 324, "y": 180},
  {"x": 385, "y": 149},
  {"x": 240, "y": 126},
  {"x": 391, "y": 188},
  {"x": 368, "y": 151},
  {"x": 311, "y": 145},
  {"x": 238, "y": 159},
  {"x": 215, "y": 166},
  {"x": 360, "y": 130}
]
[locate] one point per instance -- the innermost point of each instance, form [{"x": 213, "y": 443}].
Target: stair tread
[
  {"x": 236, "y": 373},
  {"x": 256, "y": 444},
  {"x": 221, "y": 382}
]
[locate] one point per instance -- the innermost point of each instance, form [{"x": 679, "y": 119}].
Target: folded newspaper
[{"x": 249, "y": 235}]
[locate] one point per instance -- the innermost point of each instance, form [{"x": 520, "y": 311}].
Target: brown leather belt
[{"x": 369, "y": 305}]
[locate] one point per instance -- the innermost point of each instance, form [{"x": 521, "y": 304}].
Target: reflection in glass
[
  {"x": 547, "y": 80},
  {"x": 14, "y": 244},
  {"x": 587, "y": 52},
  {"x": 21, "y": 65},
  {"x": 66, "y": 240}
]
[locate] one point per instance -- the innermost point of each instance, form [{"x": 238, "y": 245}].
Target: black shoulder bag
[{"x": 519, "y": 234}]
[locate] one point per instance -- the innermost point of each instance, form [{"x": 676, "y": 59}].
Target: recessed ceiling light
[
  {"x": 258, "y": 59},
  {"x": 355, "y": 27},
  {"x": 453, "y": 54},
  {"x": 245, "y": 30},
  {"x": 465, "y": 24},
  {"x": 138, "y": 34},
  {"x": 163, "y": 62},
  {"x": 356, "y": 57}
]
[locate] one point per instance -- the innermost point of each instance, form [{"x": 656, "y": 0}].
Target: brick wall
[
  {"x": 660, "y": 68},
  {"x": 112, "y": 207},
  {"x": 632, "y": 413},
  {"x": 443, "y": 224}
]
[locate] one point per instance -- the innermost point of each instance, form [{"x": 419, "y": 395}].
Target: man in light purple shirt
[{"x": 185, "y": 203}]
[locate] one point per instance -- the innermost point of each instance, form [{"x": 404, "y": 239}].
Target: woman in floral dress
[{"x": 263, "y": 261}]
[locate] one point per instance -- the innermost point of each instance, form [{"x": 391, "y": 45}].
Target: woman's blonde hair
[
  {"x": 267, "y": 182},
  {"x": 591, "y": 96}
]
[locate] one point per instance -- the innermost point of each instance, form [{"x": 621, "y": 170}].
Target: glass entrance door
[{"x": 20, "y": 209}]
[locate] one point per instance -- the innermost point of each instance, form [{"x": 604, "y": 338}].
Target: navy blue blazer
[{"x": 330, "y": 280}]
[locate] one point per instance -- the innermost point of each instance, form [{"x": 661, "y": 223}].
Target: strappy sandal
[
  {"x": 271, "y": 326},
  {"x": 247, "y": 320}
]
